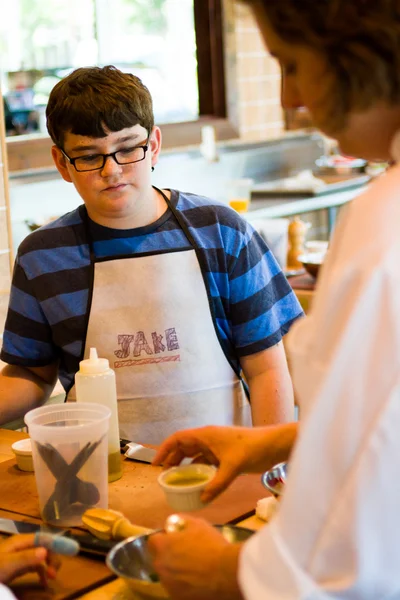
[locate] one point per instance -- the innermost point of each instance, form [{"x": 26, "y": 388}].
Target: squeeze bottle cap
[{"x": 93, "y": 364}]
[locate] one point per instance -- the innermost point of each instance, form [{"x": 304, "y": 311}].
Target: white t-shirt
[
  {"x": 337, "y": 533},
  {"x": 6, "y": 593}
]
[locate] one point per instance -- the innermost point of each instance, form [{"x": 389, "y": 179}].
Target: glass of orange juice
[{"x": 239, "y": 194}]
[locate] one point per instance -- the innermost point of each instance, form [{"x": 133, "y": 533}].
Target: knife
[
  {"x": 141, "y": 453},
  {"x": 138, "y": 452},
  {"x": 89, "y": 545}
]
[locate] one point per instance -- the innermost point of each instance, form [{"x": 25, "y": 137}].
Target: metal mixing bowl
[
  {"x": 131, "y": 560},
  {"x": 274, "y": 479}
]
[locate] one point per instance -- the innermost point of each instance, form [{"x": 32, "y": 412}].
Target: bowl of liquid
[{"x": 184, "y": 484}]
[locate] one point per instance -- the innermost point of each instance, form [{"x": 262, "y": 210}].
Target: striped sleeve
[
  {"x": 252, "y": 301},
  {"x": 263, "y": 306},
  {"x": 48, "y": 299},
  {"x": 27, "y": 339}
]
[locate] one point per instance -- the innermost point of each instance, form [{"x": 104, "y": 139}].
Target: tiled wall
[
  {"x": 260, "y": 115},
  {"x": 5, "y": 242}
]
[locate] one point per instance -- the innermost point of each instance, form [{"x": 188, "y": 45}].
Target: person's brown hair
[
  {"x": 359, "y": 38},
  {"x": 93, "y": 101}
]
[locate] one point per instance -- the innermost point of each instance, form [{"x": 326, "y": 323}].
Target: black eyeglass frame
[{"x": 105, "y": 156}]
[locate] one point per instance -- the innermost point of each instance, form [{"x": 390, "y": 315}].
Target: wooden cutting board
[
  {"x": 7, "y": 438},
  {"x": 76, "y": 576},
  {"x": 137, "y": 495}
]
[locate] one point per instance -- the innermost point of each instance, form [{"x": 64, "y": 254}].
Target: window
[{"x": 174, "y": 46}]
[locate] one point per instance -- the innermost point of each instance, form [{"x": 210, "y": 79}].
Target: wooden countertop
[
  {"x": 136, "y": 494},
  {"x": 8, "y": 437},
  {"x": 285, "y": 207}
]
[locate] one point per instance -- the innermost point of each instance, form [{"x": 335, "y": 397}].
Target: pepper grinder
[{"x": 296, "y": 236}]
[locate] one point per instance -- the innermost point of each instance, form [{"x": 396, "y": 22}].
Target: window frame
[
  {"x": 214, "y": 21},
  {"x": 210, "y": 19}
]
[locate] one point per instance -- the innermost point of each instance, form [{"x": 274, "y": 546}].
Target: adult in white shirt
[{"x": 337, "y": 532}]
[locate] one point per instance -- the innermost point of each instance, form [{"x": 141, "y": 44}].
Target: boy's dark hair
[{"x": 92, "y": 100}]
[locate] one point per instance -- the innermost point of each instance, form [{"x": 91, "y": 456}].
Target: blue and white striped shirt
[{"x": 251, "y": 301}]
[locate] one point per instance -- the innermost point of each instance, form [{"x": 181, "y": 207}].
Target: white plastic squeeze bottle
[{"x": 95, "y": 382}]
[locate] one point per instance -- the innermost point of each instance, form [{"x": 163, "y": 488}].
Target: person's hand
[
  {"x": 234, "y": 450},
  {"x": 196, "y": 562},
  {"x": 18, "y": 556}
]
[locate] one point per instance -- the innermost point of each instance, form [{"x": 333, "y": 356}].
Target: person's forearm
[
  {"x": 271, "y": 391},
  {"x": 268, "y": 446},
  {"x": 272, "y": 400},
  {"x": 20, "y": 391}
]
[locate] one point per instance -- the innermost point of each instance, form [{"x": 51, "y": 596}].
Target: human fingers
[
  {"x": 205, "y": 457},
  {"x": 17, "y": 542},
  {"x": 43, "y": 540},
  {"x": 171, "y": 459},
  {"x": 224, "y": 476},
  {"x": 191, "y": 526},
  {"x": 169, "y": 448},
  {"x": 187, "y": 560},
  {"x": 48, "y": 569},
  {"x": 56, "y": 543},
  {"x": 53, "y": 562},
  {"x": 182, "y": 445},
  {"x": 42, "y": 572},
  {"x": 17, "y": 563}
]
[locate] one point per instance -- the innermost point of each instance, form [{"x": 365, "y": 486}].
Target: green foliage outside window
[{"x": 148, "y": 14}]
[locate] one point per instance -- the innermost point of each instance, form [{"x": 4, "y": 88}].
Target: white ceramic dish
[
  {"x": 23, "y": 453},
  {"x": 183, "y": 485},
  {"x": 316, "y": 247}
]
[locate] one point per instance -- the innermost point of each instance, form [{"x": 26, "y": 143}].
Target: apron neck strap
[{"x": 178, "y": 216}]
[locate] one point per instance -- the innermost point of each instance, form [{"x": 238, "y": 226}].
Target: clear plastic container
[
  {"x": 69, "y": 447},
  {"x": 95, "y": 382}
]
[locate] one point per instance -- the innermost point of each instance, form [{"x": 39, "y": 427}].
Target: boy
[{"x": 177, "y": 291}]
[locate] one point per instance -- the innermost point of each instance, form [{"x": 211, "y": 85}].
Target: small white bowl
[
  {"x": 23, "y": 453},
  {"x": 183, "y": 485},
  {"x": 316, "y": 247}
]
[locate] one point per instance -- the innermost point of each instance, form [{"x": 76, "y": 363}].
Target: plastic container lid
[{"x": 93, "y": 365}]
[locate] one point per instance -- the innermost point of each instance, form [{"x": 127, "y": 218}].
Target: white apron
[{"x": 150, "y": 317}]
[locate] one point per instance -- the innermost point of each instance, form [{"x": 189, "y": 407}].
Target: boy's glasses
[{"x": 94, "y": 162}]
